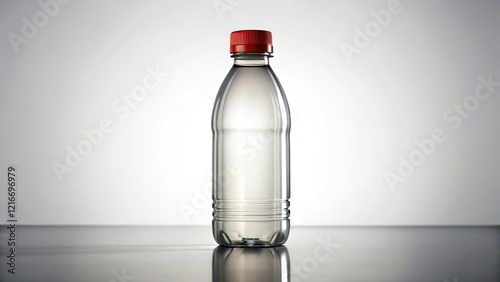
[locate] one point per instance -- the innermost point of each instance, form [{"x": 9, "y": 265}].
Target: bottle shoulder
[
  {"x": 253, "y": 94},
  {"x": 255, "y": 81}
]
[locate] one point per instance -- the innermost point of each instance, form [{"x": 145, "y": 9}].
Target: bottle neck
[{"x": 251, "y": 59}]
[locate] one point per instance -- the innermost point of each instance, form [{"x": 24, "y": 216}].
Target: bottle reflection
[{"x": 250, "y": 264}]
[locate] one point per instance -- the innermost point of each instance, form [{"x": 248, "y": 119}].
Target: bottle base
[{"x": 252, "y": 234}]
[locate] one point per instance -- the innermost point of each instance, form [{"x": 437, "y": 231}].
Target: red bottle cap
[{"x": 251, "y": 41}]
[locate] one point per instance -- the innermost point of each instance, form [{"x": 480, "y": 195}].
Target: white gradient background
[{"x": 350, "y": 121}]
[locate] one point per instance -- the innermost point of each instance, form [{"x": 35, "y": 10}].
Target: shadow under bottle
[{"x": 250, "y": 264}]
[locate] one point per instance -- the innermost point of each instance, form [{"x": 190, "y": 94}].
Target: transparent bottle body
[{"x": 251, "y": 156}]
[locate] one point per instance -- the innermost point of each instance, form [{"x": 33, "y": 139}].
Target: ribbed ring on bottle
[{"x": 251, "y": 210}]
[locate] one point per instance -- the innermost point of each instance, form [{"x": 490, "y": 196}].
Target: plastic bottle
[{"x": 251, "y": 148}]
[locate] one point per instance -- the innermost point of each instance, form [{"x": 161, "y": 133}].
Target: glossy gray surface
[{"x": 113, "y": 254}]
